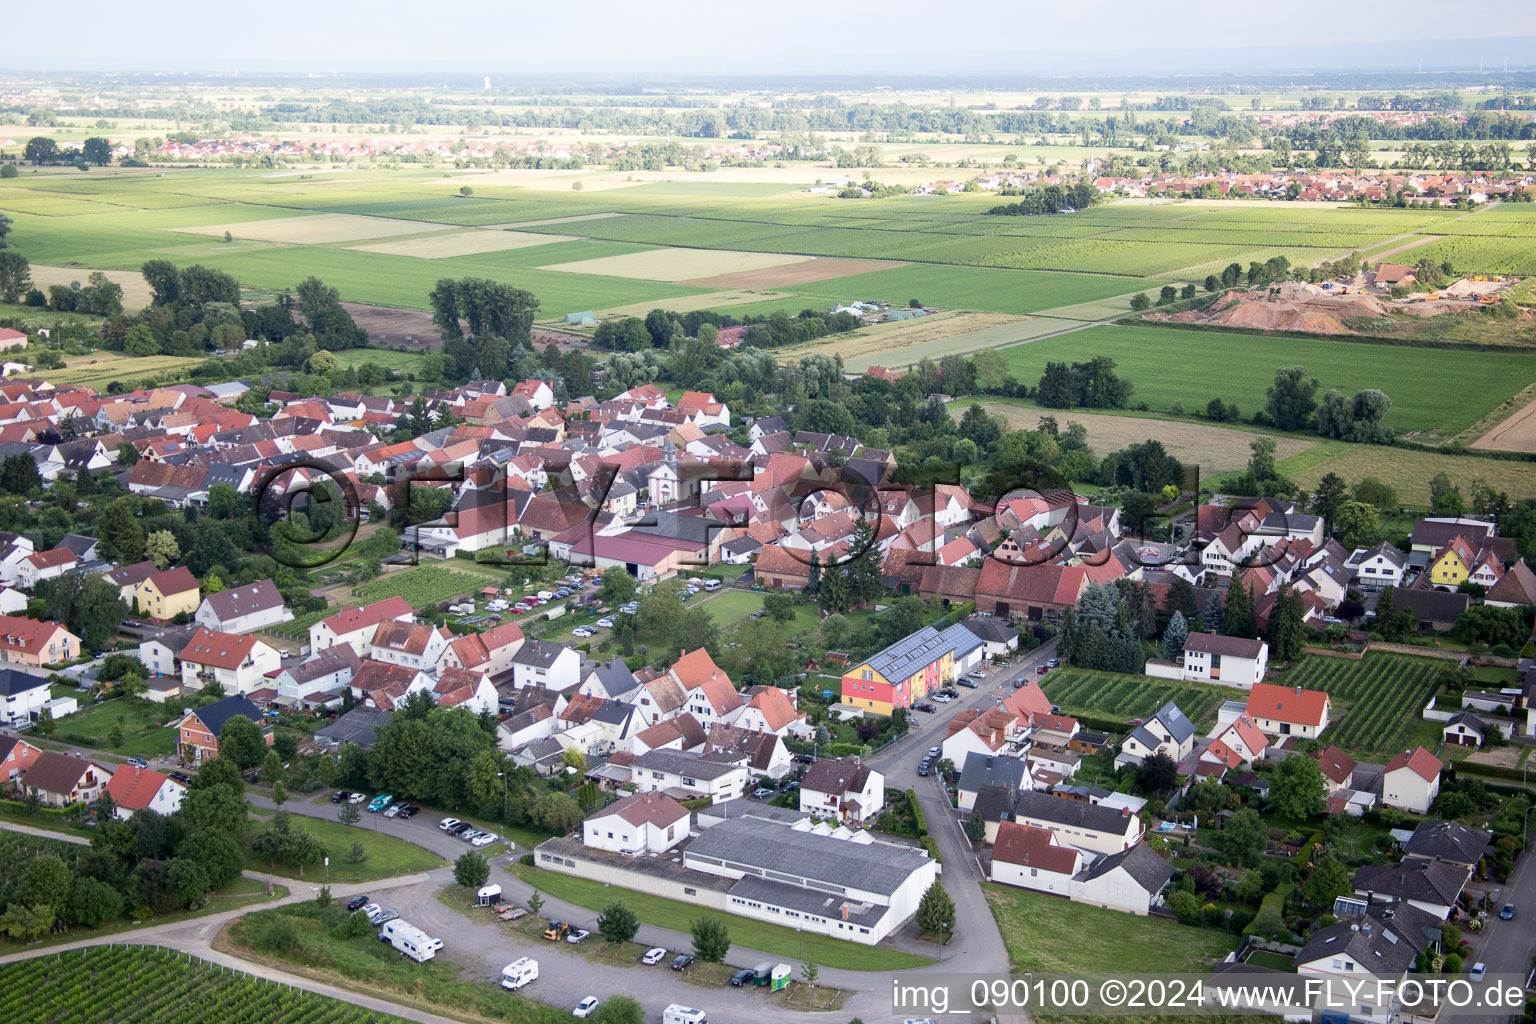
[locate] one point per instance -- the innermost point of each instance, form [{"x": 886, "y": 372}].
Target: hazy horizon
[{"x": 688, "y": 37}]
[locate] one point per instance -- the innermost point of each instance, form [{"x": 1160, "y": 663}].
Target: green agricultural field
[
  {"x": 102, "y": 368},
  {"x": 1103, "y": 941},
  {"x": 1112, "y": 695},
  {"x": 1435, "y": 393},
  {"x": 423, "y": 585},
  {"x": 110, "y": 985},
  {"x": 1376, "y": 700}
]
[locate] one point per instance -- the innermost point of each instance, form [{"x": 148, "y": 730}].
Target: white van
[
  {"x": 712, "y": 585},
  {"x": 547, "y": 595},
  {"x": 519, "y": 973},
  {"x": 678, "y": 1014},
  {"x": 410, "y": 940}
]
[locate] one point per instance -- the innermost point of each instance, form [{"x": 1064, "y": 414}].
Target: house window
[{"x": 690, "y": 891}]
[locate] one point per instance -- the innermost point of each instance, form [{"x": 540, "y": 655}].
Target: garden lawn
[
  {"x": 144, "y": 734},
  {"x": 1113, "y": 695},
  {"x": 1045, "y": 933},
  {"x": 1435, "y": 393},
  {"x": 759, "y": 935},
  {"x": 730, "y": 608},
  {"x": 387, "y": 855}
]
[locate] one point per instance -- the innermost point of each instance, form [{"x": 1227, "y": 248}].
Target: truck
[
  {"x": 410, "y": 940},
  {"x": 463, "y": 608},
  {"x": 679, "y": 1014},
  {"x": 519, "y": 973}
]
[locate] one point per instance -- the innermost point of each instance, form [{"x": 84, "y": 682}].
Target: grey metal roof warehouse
[{"x": 803, "y": 858}]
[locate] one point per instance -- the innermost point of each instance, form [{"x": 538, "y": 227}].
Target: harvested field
[
  {"x": 313, "y": 229},
  {"x": 1503, "y": 757},
  {"x": 461, "y": 243},
  {"x": 676, "y": 265},
  {"x": 1516, "y": 432},
  {"x": 690, "y": 303},
  {"x": 394, "y": 326},
  {"x": 100, "y": 368},
  {"x": 807, "y": 272},
  {"x": 1214, "y": 449},
  {"x": 932, "y": 337},
  {"x": 136, "y": 293}
]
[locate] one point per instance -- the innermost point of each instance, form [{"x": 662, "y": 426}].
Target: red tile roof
[
  {"x": 1287, "y": 704},
  {"x": 1028, "y": 846},
  {"x": 1426, "y": 765}
]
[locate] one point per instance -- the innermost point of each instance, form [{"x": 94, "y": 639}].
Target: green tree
[
  {"x": 96, "y": 150},
  {"x": 1330, "y": 495},
  {"x": 1239, "y": 617},
  {"x": 19, "y": 475},
  {"x": 1157, "y": 773},
  {"x": 711, "y": 939},
  {"x": 87, "y": 604},
  {"x": 46, "y": 880},
  {"x": 1243, "y": 838},
  {"x": 1292, "y": 399},
  {"x": 241, "y": 741},
  {"x": 975, "y": 828},
  {"x": 1286, "y": 630},
  {"x": 188, "y": 880},
  {"x": 617, "y": 586},
  {"x": 118, "y": 529},
  {"x": 1330, "y": 879},
  {"x": 936, "y": 911},
  {"x": 1297, "y": 789},
  {"x": 618, "y": 1009},
  {"x": 617, "y": 923},
  {"x": 218, "y": 853},
  {"x": 471, "y": 869},
  {"x": 161, "y": 548},
  {"x": 15, "y": 275},
  {"x": 1357, "y": 524},
  {"x": 93, "y": 902},
  {"x": 1141, "y": 302}
]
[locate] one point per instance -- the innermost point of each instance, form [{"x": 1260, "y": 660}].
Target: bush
[{"x": 1452, "y": 963}]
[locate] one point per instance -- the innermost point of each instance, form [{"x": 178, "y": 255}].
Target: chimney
[
  {"x": 845, "y": 911},
  {"x": 1298, "y": 689}
]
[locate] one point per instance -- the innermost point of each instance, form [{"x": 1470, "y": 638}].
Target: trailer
[{"x": 409, "y": 940}]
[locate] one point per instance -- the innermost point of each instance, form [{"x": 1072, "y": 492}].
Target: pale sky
[{"x": 682, "y": 37}]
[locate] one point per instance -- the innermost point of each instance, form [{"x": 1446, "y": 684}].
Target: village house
[
  {"x": 137, "y": 789},
  {"x": 1090, "y": 827},
  {"x": 546, "y": 665},
  {"x": 687, "y": 775},
  {"x": 1168, "y": 731},
  {"x": 901, "y": 674},
  {"x": 648, "y": 822},
  {"x": 1229, "y": 660},
  {"x": 238, "y": 664},
  {"x": 243, "y": 609},
  {"x": 842, "y": 790},
  {"x": 1411, "y": 781},
  {"x": 63, "y": 779},
  {"x": 197, "y": 734},
  {"x": 16, "y": 756},
  {"x": 35, "y": 643},
  {"x": 45, "y": 565},
  {"x": 165, "y": 595},
  {"x": 1287, "y": 711},
  {"x": 356, "y": 625},
  {"x": 22, "y": 695}
]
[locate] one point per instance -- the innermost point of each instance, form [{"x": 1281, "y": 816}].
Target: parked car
[
  {"x": 357, "y": 902},
  {"x": 969, "y": 684},
  {"x": 483, "y": 839},
  {"x": 943, "y": 698},
  {"x": 460, "y": 829},
  {"x": 469, "y": 835},
  {"x": 137, "y": 762},
  {"x": 447, "y": 823},
  {"x": 655, "y": 955},
  {"x": 339, "y": 796},
  {"x": 606, "y": 622},
  {"x": 383, "y": 916},
  {"x": 762, "y": 793},
  {"x": 681, "y": 961},
  {"x": 394, "y": 810},
  {"x": 935, "y": 751},
  {"x": 357, "y": 798},
  {"x": 380, "y": 802},
  {"x": 923, "y": 769},
  {"x": 1507, "y": 911},
  {"x": 1478, "y": 970},
  {"x": 409, "y": 812},
  {"x": 743, "y": 977},
  {"x": 585, "y": 1007},
  {"x": 926, "y": 708},
  {"x": 579, "y": 935},
  {"x": 371, "y": 911},
  {"x": 806, "y": 758}
]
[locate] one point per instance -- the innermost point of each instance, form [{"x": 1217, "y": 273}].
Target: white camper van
[
  {"x": 519, "y": 973},
  {"x": 678, "y": 1014},
  {"x": 410, "y": 940}
]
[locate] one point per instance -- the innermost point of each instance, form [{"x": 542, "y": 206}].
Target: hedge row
[{"x": 917, "y": 814}]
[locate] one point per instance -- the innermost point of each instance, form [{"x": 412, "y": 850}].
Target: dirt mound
[{"x": 1279, "y": 316}]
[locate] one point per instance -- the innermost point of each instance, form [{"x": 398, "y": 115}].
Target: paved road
[
  {"x": 1507, "y": 945},
  {"x": 977, "y": 941}
]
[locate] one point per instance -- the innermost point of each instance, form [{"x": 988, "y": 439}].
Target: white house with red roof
[
  {"x": 490, "y": 651},
  {"x": 137, "y": 789},
  {"x": 239, "y": 664},
  {"x": 536, "y": 393},
  {"x": 1288, "y": 711},
  {"x": 1240, "y": 743},
  {"x": 356, "y": 626},
  {"x": 1411, "y": 781},
  {"x": 704, "y": 410},
  {"x": 45, "y": 565},
  {"x": 769, "y": 710},
  {"x": 1031, "y": 858},
  {"x": 243, "y": 609},
  {"x": 641, "y": 823}
]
